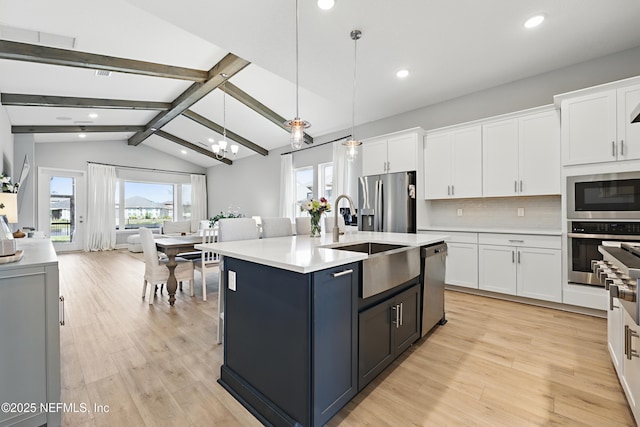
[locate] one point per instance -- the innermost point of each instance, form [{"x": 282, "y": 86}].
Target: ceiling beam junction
[{"x": 229, "y": 66}]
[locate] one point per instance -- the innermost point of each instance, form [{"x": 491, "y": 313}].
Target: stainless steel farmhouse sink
[{"x": 386, "y": 267}]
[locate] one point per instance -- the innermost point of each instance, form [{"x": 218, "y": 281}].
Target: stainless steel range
[{"x": 619, "y": 272}]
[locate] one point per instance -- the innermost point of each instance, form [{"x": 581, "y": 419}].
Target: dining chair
[
  {"x": 155, "y": 269},
  {"x": 230, "y": 229},
  {"x": 276, "y": 227},
  {"x": 208, "y": 261},
  {"x": 328, "y": 224},
  {"x": 303, "y": 225}
]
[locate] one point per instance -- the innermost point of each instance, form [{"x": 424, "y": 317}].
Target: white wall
[{"x": 253, "y": 183}]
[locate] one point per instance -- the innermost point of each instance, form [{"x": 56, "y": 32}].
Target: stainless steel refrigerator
[{"x": 387, "y": 202}]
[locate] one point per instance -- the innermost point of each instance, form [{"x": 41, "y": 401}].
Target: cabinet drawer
[{"x": 529, "y": 240}]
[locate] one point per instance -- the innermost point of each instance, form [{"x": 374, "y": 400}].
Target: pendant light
[
  {"x": 352, "y": 144},
  {"x": 220, "y": 149},
  {"x": 297, "y": 125}
]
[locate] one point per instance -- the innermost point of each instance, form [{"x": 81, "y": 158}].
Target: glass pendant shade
[
  {"x": 297, "y": 132},
  {"x": 234, "y": 149},
  {"x": 351, "y": 147},
  {"x": 223, "y": 144}
]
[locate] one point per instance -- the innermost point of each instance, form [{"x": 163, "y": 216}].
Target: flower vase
[{"x": 315, "y": 225}]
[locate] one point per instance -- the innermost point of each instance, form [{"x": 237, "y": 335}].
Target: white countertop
[
  {"x": 304, "y": 254},
  {"x": 541, "y": 232},
  {"x": 36, "y": 252}
]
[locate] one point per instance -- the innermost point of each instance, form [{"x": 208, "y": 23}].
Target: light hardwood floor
[{"x": 495, "y": 363}]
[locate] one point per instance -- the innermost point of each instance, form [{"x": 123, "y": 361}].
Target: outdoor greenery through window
[{"x": 148, "y": 204}]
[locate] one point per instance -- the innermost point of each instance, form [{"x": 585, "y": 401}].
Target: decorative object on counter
[
  {"x": 297, "y": 125},
  {"x": 8, "y": 214},
  {"x": 229, "y": 214},
  {"x": 315, "y": 208},
  {"x": 352, "y": 143},
  {"x": 220, "y": 149}
]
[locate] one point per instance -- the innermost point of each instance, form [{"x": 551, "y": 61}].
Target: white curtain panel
[
  {"x": 198, "y": 200},
  {"x": 287, "y": 196},
  {"x": 101, "y": 215},
  {"x": 343, "y": 180}
]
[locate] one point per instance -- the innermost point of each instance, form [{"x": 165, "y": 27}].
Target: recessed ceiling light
[
  {"x": 210, "y": 140},
  {"x": 183, "y": 152},
  {"x": 402, "y": 74},
  {"x": 93, "y": 115},
  {"x": 82, "y": 135},
  {"x": 325, "y": 4},
  {"x": 534, "y": 21}
]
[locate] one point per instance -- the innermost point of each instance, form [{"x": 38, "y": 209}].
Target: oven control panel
[{"x": 617, "y": 228}]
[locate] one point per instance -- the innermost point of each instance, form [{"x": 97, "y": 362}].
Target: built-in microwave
[{"x": 604, "y": 196}]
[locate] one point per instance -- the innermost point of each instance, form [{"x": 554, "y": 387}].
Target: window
[
  {"x": 148, "y": 204},
  {"x": 303, "y": 184},
  {"x": 325, "y": 180}
]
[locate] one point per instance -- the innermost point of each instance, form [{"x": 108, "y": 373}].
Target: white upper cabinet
[
  {"x": 521, "y": 155},
  {"x": 453, "y": 163},
  {"x": 391, "y": 153},
  {"x": 597, "y": 127}
]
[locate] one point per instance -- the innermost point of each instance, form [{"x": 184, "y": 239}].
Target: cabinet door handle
[
  {"x": 521, "y": 186},
  {"x": 401, "y": 313},
  {"x": 61, "y": 310},
  {"x": 515, "y": 186},
  {"x": 342, "y": 273},
  {"x": 396, "y": 312},
  {"x": 513, "y": 256},
  {"x": 518, "y": 257},
  {"x": 453, "y": 190},
  {"x": 626, "y": 341},
  {"x": 632, "y": 353},
  {"x": 622, "y": 147},
  {"x": 448, "y": 190},
  {"x": 516, "y": 241},
  {"x": 613, "y": 148}
]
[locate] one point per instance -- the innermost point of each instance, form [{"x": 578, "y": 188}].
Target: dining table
[{"x": 172, "y": 246}]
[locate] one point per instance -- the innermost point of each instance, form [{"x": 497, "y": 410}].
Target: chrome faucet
[{"x": 336, "y": 229}]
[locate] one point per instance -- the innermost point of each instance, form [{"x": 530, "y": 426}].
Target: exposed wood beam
[
  {"x": 229, "y": 65},
  {"x": 71, "y": 58},
  {"x": 232, "y": 135},
  {"x": 191, "y": 146},
  {"x": 260, "y": 108},
  {"x": 15, "y": 99},
  {"x": 74, "y": 129}
]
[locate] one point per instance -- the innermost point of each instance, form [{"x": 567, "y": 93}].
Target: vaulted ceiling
[{"x": 166, "y": 60}]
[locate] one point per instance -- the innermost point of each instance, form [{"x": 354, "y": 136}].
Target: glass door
[{"x": 61, "y": 207}]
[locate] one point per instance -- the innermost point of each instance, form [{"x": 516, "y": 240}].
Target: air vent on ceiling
[
  {"x": 82, "y": 122},
  {"x": 25, "y": 35},
  {"x": 103, "y": 73}
]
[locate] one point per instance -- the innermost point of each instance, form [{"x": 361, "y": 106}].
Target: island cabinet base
[{"x": 290, "y": 341}]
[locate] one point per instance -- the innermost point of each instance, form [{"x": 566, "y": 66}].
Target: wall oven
[
  {"x": 584, "y": 239},
  {"x": 604, "y": 196}
]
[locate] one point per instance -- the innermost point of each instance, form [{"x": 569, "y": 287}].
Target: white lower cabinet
[
  {"x": 631, "y": 363},
  {"x": 524, "y": 265},
  {"x": 462, "y": 264},
  {"x": 615, "y": 334}
]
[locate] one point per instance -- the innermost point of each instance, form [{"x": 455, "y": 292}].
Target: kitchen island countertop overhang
[{"x": 305, "y": 254}]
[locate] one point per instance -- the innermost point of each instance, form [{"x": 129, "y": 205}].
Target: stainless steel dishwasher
[{"x": 433, "y": 269}]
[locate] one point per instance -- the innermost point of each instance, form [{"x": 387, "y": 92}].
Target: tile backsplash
[{"x": 540, "y": 212}]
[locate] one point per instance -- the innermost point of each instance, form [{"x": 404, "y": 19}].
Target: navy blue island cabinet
[{"x": 290, "y": 341}]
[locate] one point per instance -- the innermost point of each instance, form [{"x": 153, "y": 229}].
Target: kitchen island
[{"x": 291, "y": 322}]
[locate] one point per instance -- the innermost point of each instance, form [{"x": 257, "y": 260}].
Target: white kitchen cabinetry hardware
[
  {"x": 453, "y": 163},
  {"x": 391, "y": 153},
  {"x": 631, "y": 363},
  {"x": 30, "y": 336},
  {"x": 597, "y": 127},
  {"x": 513, "y": 151},
  {"x": 522, "y": 265}
]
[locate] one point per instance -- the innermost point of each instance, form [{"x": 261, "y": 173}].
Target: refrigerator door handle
[{"x": 379, "y": 207}]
